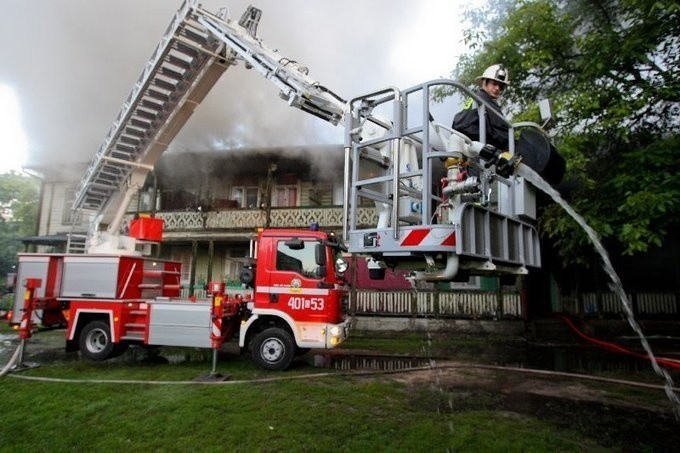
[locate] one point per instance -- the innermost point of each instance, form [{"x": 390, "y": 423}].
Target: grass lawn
[
  {"x": 304, "y": 409},
  {"x": 312, "y": 414}
]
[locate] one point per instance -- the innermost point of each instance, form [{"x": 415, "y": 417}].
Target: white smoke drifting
[{"x": 72, "y": 63}]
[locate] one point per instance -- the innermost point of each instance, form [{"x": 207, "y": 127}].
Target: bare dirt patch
[{"x": 615, "y": 414}]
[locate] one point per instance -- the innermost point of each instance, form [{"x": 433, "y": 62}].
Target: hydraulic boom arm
[
  {"x": 196, "y": 49},
  {"x": 442, "y": 204}
]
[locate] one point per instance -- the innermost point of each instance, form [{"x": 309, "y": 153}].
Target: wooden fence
[
  {"x": 459, "y": 304},
  {"x": 608, "y": 303},
  {"x": 475, "y": 304}
]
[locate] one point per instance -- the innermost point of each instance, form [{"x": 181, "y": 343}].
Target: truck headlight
[{"x": 335, "y": 331}]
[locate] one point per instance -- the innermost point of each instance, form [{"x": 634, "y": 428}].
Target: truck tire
[
  {"x": 273, "y": 349},
  {"x": 95, "y": 341}
]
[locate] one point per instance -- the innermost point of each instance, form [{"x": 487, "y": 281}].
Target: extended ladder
[
  {"x": 185, "y": 65},
  {"x": 195, "y": 50}
]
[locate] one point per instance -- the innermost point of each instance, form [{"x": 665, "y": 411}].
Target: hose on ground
[
  {"x": 434, "y": 367},
  {"x": 12, "y": 361},
  {"x": 667, "y": 362}
]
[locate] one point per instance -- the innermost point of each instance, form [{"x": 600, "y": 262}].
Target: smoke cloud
[{"x": 72, "y": 63}]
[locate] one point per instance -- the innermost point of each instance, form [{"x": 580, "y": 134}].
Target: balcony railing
[{"x": 248, "y": 219}]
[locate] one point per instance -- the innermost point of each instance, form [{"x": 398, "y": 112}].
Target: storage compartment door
[{"x": 179, "y": 324}]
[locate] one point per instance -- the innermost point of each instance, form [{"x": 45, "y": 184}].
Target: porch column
[
  {"x": 192, "y": 277},
  {"x": 211, "y": 252},
  {"x": 499, "y": 297}
]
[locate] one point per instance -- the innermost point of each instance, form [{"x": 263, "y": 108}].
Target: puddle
[
  {"x": 48, "y": 347},
  {"x": 580, "y": 360},
  {"x": 366, "y": 362},
  {"x": 571, "y": 359}
]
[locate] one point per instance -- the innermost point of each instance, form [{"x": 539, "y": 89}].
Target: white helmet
[{"x": 496, "y": 72}]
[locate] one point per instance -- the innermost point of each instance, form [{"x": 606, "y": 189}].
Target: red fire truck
[
  {"x": 109, "y": 295},
  {"x": 110, "y": 301}
]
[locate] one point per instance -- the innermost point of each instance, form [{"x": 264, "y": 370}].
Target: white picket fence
[
  {"x": 609, "y": 302},
  {"x": 484, "y": 304}
]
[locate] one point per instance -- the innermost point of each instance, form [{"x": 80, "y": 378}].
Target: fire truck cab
[
  {"x": 297, "y": 300},
  {"x": 300, "y": 295}
]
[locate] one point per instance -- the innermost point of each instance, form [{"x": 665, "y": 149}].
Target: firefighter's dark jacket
[{"x": 467, "y": 122}]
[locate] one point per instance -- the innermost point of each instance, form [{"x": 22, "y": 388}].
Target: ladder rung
[
  {"x": 123, "y": 148},
  {"x": 102, "y": 185},
  {"x": 160, "y": 83},
  {"x": 155, "y": 94},
  {"x": 129, "y": 140},
  {"x": 135, "y": 132},
  {"x": 122, "y": 156},
  {"x": 149, "y": 286},
  {"x": 109, "y": 173},
  {"x": 146, "y": 114},
  {"x": 139, "y": 123},
  {"x": 133, "y": 336},
  {"x": 100, "y": 189},
  {"x": 159, "y": 273},
  {"x": 152, "y": 105},
  {"x": 194, "y": 36},
  {"x": 179, "y": 62},
  {"x": 172, "y": 74},
  {"x": 187, "y": 50}
]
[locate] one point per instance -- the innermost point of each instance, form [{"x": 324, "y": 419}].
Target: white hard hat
[{"x": 496, "y": 72}]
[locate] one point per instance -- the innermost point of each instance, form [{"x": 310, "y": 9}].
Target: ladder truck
[{"x": 430, "y": 216}]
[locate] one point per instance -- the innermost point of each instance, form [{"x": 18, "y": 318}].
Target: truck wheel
[
  {"x": 273, "y": 349},
  {"x": 95, "y": 341}
]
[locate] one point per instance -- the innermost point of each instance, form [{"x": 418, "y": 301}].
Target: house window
[
  {"x": 67, "y": 213},
  {"x": 233, "y": 265},
  {"x": 184, "y": 257},
  {"x": 338, "y": 194},
  {"x": 146, "y": 201},
  {"x": 246, "y": 197},
  {"x": 285, "y": 197}
]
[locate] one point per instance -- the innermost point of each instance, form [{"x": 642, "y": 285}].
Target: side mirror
[
  {"x": 320, "y": 255},
  {"x": 545, "y": 109}
]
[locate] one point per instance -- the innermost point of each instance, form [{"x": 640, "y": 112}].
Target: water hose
[
  {"x": 669, "y": 363},
  {"x": 432, "y": 367},
  {"x": 12, "y": 361}
]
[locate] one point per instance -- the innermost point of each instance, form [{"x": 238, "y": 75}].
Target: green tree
[
  {"x": 612, "y": 70},
  {"x": 19, "y": 211}
]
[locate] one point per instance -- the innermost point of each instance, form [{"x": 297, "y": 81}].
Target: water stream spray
[{"x": 615, "y": 285}]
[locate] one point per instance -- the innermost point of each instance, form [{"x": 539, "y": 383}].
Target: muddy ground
[
  {"x": 627, "y": 409},
  {"x": 614, "y": 414}
]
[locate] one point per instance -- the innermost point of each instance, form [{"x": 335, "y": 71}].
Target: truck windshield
[{"x": 300, "y": 260}]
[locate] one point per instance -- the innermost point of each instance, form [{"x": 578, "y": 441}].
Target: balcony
[{"x": 238, "y": 221}]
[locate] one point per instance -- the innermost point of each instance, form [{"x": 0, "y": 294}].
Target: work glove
[
  {"x": 490, "y": 155},
  {"x": 506, "y": 164}
]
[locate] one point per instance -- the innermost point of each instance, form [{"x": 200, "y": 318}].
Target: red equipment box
[{"x": 147, "y": 229}]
